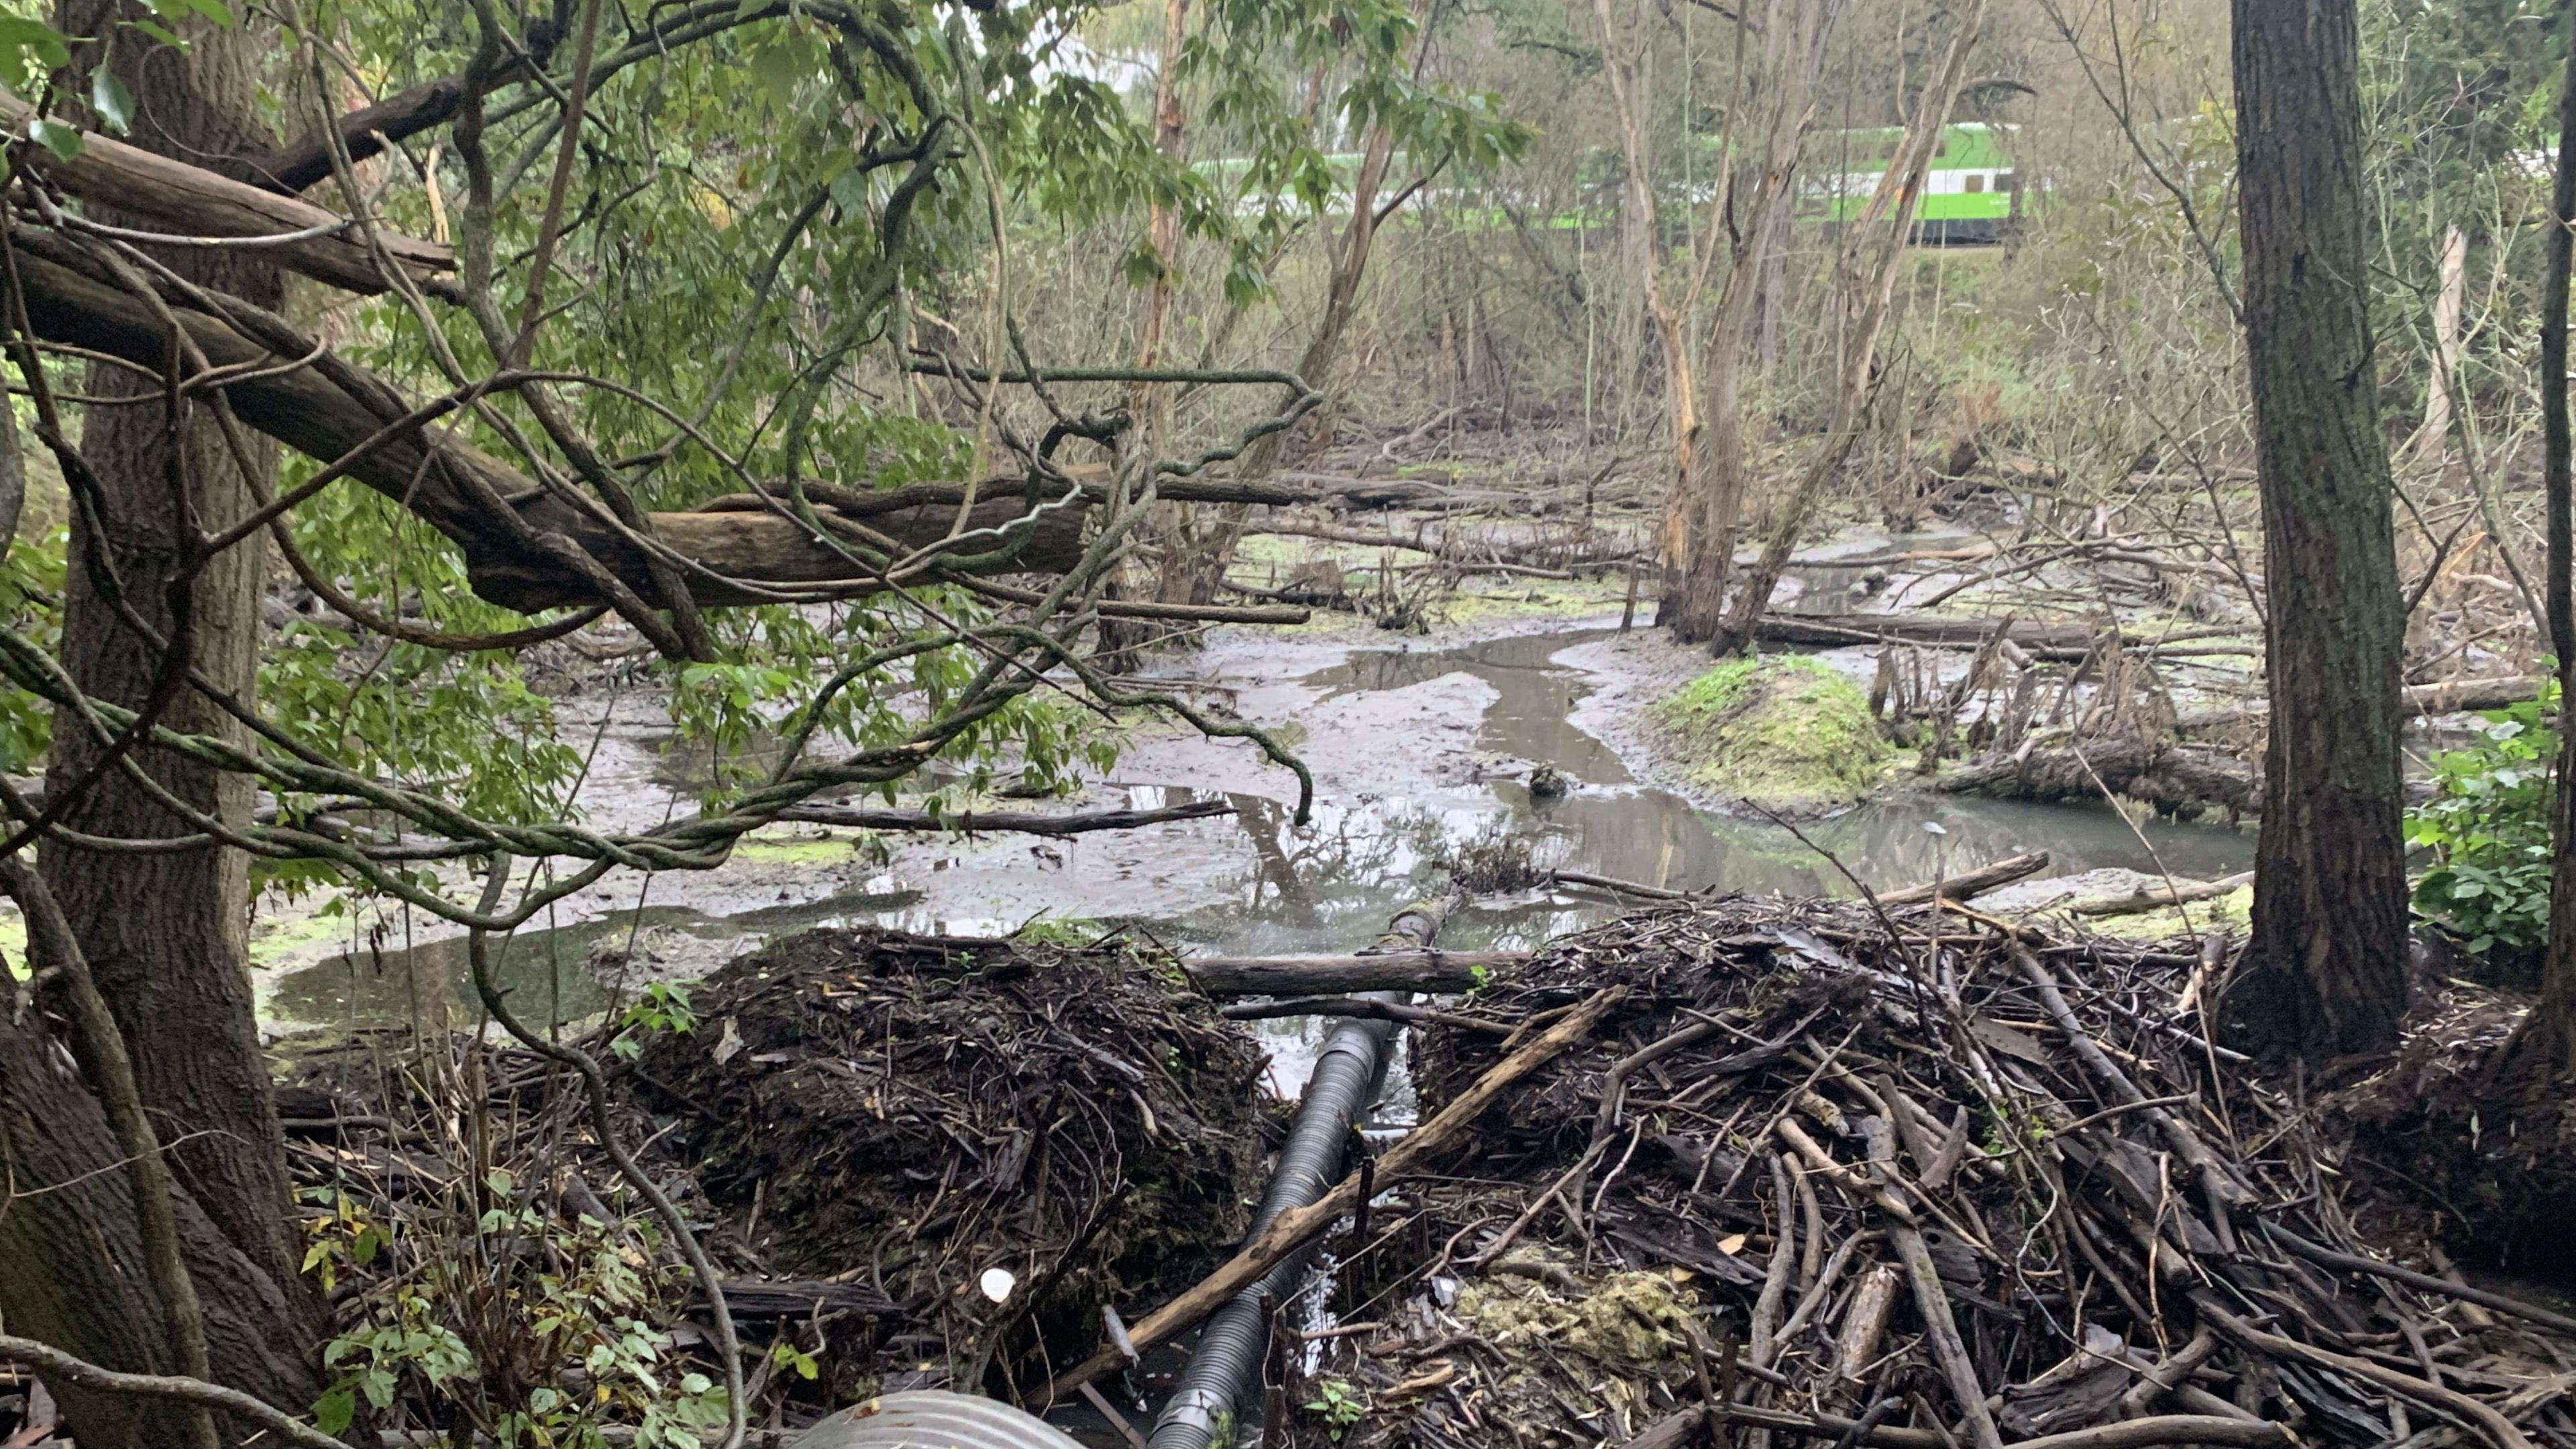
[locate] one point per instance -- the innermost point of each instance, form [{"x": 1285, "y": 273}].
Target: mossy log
[{"x": 2171, "y": 777}]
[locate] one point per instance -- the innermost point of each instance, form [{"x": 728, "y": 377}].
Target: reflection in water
[
  {"x": 1617, "y": 828},
  {"x": 1255, "y": 884},
  {"x": 551, "y": 977}
]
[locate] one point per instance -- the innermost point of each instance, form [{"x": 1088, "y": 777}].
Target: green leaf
[
  {"x": 500, "y": 1181},
  {"x": 62, "y": 140},
  {"x": 112, "y": 101},
  {"x": 35, "y": 35},
  {"x": 333, "y": 1411}
]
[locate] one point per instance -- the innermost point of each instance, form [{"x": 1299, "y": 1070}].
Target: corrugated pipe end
[{"x": 934, "y": 1419}]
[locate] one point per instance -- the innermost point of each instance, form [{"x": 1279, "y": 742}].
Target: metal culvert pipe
[
  {"x": 934, "y": 1419},
  {"x": 1346, "y": 1081}
]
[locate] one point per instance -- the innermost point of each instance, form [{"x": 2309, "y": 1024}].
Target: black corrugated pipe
[{"x": 1345, "y": 1084}]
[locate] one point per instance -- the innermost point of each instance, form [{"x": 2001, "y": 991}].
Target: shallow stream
[{"x": 1416, "y": 752}]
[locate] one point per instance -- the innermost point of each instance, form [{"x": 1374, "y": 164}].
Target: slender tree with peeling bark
[
  {"x": 1793, "y": 47},
  {"x": 1865, "y": 273}
]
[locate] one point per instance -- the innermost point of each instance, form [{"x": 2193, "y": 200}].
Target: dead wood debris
[
  {"x": 1923, "y": 1189},
  {"x": 914, "y": 1111},
  {"x": 863, "y": 1122}
]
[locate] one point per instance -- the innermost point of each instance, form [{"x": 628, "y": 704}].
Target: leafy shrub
[{"x": 2487, "y": 830}]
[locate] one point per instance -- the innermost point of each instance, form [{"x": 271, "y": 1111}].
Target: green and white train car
[{"x": 1970, "y": 192}]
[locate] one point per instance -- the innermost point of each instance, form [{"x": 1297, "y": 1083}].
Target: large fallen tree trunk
[
  {"x": 2157, "y": 896},
  {"x": 2169, "y": 776},
  {"x": 195, "y": 202},
  {"x": 527, "y": 547},
  {"x": 2451, "y": 697},
  {"x": 1944, "y": 631}
]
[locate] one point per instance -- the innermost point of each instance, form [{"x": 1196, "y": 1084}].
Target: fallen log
[
  {"x": 195, "y": 202},
  {"x": 2457, "y": 696},
  {"x": 1963, "y": 886},
  {"x": 2168, "y": 776},
  {"x": 1436, "y": 971},
  {"x": 1969, "y": 884},
  {"x": 1339, "y": 491},
  {"x": 1967, "y": 554},
  {"x": 337, "y": 412},
  {"x": 1016, "y": 822},
  {"x": 1944, "y": 631},
  {"x": 2158, "y": 897},
  {"x": 1616, "y": 886},
  {"x": 1361, "y": 1008}
]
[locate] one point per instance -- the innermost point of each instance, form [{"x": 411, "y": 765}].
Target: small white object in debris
[{"x": 998, "y": 1283}]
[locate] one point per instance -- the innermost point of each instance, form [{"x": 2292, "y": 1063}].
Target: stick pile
[{"x": 1914, "y": 1180}]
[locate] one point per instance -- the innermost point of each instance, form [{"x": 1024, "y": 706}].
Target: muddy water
[{"x": 1416, "y": 752}]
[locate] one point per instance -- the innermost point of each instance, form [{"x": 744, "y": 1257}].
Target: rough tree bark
[
  {"x": 1149, "y": 405},
  {"x": 2552, "y": 1025},
  {"x": 2326, "y": 972},
  {"x": 72, "y": 1270},
  {"x": 1668, "y": 307},
  {"x": 164, "y": 933}
]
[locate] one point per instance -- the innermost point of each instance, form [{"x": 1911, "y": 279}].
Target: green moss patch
[
  {"x": 2234, "y": 910},
  {"x": 1786, "y": 734}
]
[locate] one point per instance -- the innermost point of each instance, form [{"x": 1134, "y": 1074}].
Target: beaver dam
[{"x": 1721, "y": 1170}]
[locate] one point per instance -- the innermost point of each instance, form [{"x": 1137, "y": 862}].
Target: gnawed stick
[
  {"x": 2245, "y": 1335},
  {"x": 1933, "y": 1302},
  {"x": 2217, "y": 1181},
  {"x": 1970, "y": 883},
  {"x": 2349, "y": 1263},
  {"x": 1291, "y": 1229}
]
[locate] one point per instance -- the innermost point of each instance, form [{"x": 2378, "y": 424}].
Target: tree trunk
[
  {"x": 1196, "y": 575},
  {"x": 1793, "y": 49},
  {"x": 2327, "y": 967},
  {"x": 1149, "y": 405},
  {"x": 2552, "y": 1026},
  {"x": 72, "y": 1270},
  {"x": 164, "y": 933},
  {"x": 2433, "y": 439},
  {"x": 1669, "y": 313},
  {"x": 1866, "y": 295}
]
